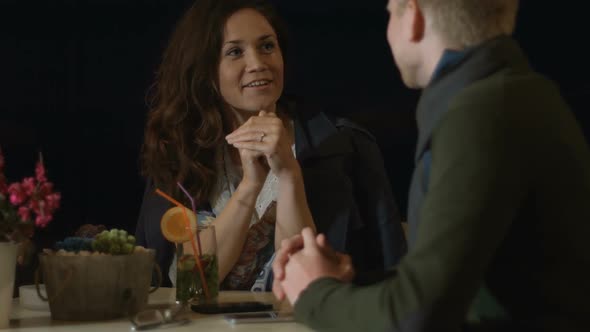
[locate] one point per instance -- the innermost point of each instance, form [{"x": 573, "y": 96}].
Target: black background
[{"x": 74, "y": 76}]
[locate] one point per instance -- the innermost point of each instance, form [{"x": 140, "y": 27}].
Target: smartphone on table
[
  {"x": 259, "y": 317},
  {"x": 231, "y": 307}
]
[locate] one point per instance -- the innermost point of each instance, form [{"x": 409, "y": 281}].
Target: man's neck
[{"x": 433, "y": 53}]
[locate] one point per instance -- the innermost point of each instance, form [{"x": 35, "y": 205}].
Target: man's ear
[{"x": 418, "y": 23}]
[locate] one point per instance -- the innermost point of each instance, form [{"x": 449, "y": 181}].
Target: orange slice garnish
[{"x": 173, "y": 225}]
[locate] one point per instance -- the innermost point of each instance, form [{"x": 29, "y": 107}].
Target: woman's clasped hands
[{"x": 263, "y": 141}]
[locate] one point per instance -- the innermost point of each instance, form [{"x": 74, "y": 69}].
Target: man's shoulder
[
  {"x": 505, "y": 89},
  {"x": 507, "y": 104}
]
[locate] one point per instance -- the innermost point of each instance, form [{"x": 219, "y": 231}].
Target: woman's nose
[{"x": 255, "y": 62}]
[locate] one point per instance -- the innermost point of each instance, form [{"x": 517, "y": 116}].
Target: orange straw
[{"x": 188, "y": 227}]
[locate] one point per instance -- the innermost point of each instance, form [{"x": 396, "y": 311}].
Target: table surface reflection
[{"x": 23, "y": 319}]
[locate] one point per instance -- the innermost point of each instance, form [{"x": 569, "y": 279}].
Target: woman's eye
[
  {"x": 234, "y": 52},
  {"x": 268, "y": 47}
]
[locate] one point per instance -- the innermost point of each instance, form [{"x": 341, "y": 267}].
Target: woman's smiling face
[{"x": 251, "y": 66}]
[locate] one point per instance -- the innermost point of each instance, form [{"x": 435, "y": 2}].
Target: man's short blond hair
[{"x": 466, "y": 23}]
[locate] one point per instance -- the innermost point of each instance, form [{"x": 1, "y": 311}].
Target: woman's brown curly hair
[{"x": 187, "y": 120}]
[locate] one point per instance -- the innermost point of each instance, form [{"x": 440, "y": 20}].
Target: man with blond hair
[{"x": 499, "y": 211}]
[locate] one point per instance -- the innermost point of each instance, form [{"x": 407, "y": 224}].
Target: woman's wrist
[
  {"x": 290, "y": 175},
  {"x": 248, "y": 190}
]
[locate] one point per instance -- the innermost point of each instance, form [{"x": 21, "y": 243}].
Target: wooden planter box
[{"x": 97, "y": 287}]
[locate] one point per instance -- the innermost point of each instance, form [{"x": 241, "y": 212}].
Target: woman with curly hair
[{"x": 220, "y": 126}]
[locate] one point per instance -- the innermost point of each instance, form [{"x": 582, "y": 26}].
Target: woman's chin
[{"x": 256, "y": 108}]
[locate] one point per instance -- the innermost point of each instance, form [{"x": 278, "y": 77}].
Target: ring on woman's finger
[{"x": 262, "y": 136}]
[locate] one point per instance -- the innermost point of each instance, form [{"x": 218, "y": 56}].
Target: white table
[{"x": 23, "y": 319}]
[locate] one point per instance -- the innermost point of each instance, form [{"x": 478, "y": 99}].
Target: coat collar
[
  {"x": 316, "y": 133},
  {"x": 476, "y": 64}
]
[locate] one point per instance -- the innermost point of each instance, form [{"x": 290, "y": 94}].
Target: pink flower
[
  {"x": 41, "y": 210},
  {"x": 17, "y": 194},
  {"x": 45, "y": 189},
  {"x": 42, "y": 221},
  {"x": 33, "y": 200},
  {"x": 29, "y": 185},
  {"x": 36, "y": 205},
  {"x": 24, "y": 213},
  {"x": 40, "y": 171},
  {"x": 53, "y": 201}
]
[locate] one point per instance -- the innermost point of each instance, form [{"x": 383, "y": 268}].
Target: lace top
[
  {"x": 227, "y": 182},
  {"x": 259, "y": 246}
]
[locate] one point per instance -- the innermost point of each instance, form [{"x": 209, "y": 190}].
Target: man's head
[{"x": 419, "y": 30}]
